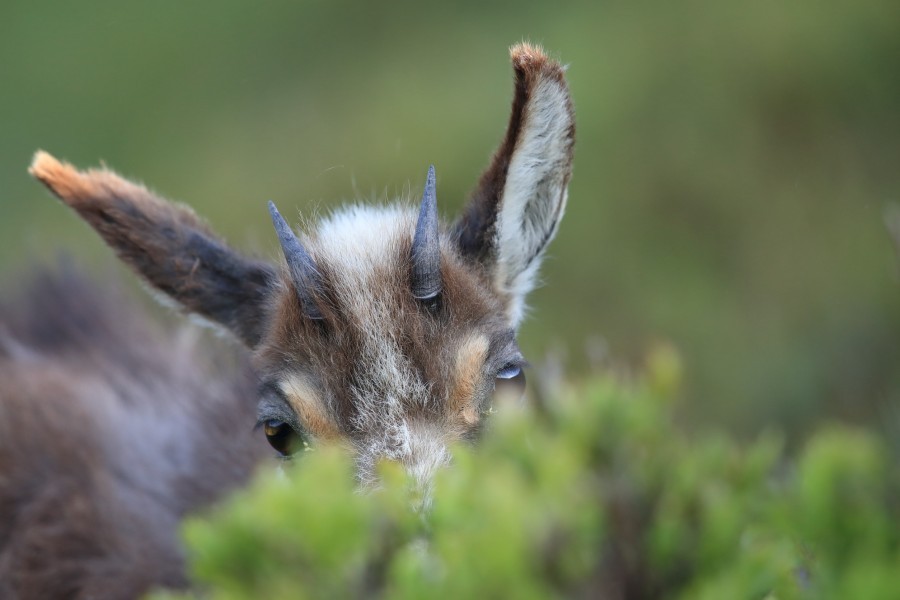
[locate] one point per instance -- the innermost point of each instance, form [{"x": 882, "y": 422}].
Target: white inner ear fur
[{"x": 534, "y": 195}]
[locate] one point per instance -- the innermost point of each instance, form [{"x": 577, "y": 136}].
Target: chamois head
[{"x": 383, "y": 327}]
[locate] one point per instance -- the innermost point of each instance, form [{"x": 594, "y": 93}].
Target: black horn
[
  {"x": 426, "y": 248},
  {"x": 300, "y": 264}
]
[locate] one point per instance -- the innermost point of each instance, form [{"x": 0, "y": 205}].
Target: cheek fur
[
  {"x": 308, "y": 405},
  {"x": 467, "y": 375}
]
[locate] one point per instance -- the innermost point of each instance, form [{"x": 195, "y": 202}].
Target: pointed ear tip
[
  {"x": 532, "y": 58},
  {"x": 527, "y": 52},
  {"x": 62, "y": 179},
  {"x": 44, "y": 164}
]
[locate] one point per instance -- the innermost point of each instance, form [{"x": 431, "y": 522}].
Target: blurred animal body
[{"x": 383, "y": 329}]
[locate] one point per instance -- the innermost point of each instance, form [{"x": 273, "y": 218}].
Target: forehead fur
[
  {"x": 363, "y": 254},
  {"x": 360, "y": 242}
]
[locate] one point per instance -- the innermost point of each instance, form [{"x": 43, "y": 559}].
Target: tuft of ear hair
[
  {"x": 166, "y": 244},
  {"x": 516, "y": 207}
]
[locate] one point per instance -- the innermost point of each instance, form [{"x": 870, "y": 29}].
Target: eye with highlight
[
  {"x": 509, "y": 371},
  {"x": 283, "y": 438},
  {"x": 509, "y": 381}
]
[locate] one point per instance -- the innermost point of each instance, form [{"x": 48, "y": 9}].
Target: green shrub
[{"x": 598, "y": 494}]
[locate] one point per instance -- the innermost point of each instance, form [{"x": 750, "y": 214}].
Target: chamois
[{"x": 383, "y": 328}]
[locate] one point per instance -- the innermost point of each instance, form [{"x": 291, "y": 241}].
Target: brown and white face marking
[
  {"x": 383, "y": 329},
  {"x": 397, "y": 377}
]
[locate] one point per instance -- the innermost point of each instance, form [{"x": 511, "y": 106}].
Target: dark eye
[
  {"x": 282, "y": 437},
  {"x": 510, "y": 381},
  {"x": 509, "y": 371}
]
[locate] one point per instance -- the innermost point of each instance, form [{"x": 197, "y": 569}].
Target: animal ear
[
  {"x": 167, "y": 245},
  {"x": 515, "y": 210}
]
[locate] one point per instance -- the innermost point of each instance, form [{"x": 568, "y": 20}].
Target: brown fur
[
  {"x": 305, "y": 400},
  {"x": 112, "y": 429},
  {"x": 329, "y": 357},
  {"x": 166, "y": 244},
  {"x": 469, "y": 364}
]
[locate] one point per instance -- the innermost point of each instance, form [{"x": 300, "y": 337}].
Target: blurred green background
[{"x": 733, "y": 163}]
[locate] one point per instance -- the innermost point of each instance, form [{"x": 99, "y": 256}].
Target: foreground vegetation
[{"x": 596, "y": 493}]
